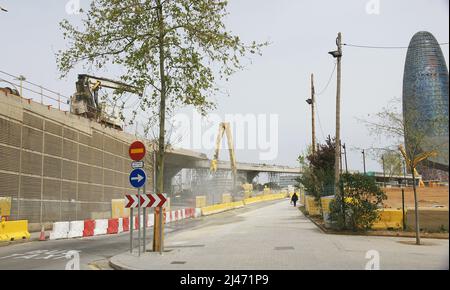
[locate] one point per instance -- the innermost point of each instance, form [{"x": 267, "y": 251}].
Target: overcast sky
[{"x": 301, "y": 33}]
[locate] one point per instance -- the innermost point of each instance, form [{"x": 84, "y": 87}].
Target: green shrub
[{"x": 362, "y": 197}]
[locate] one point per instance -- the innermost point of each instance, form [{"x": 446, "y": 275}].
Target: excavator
[
  {"x": 224, "y": 128},
  {"x": 85, "y": 101},
  {"x": 416, "y": 160}
]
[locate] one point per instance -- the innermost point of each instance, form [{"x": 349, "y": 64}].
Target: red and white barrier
[
  {"x": 87, "y": 228},
  {"x": 76, "y": 229},
  {"x": 60, "y": 231}
]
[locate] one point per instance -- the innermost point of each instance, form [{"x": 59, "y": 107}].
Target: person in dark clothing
[{"x": 294, "y": 199}]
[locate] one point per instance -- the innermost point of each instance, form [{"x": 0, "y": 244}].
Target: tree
[
  {"x": 318, "y": 170},
  {"x": 176, "y": 48},
  {"x": 392, "y": 163},
  {"x": 414, "y": 130},
  {"x": 362, "y": 198}
]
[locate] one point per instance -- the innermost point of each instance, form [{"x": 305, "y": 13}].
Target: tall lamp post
[
  {"x": 338, "y": 55},
  {"x": 364, "y": 160}
]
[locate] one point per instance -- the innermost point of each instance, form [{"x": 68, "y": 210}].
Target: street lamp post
[
  {"x": 345, "y": 157},
  {"x": 364, "y": 161},
  {"x": 338, "y": 55}
]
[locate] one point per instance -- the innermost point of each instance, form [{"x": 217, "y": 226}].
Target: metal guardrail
[{"x": 38, "y": 93}]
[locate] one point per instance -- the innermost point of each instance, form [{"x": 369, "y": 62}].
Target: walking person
[{"x": 294, "y": 199}]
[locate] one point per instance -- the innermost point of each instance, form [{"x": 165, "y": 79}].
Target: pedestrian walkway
[{"x": 278, "y": 236}]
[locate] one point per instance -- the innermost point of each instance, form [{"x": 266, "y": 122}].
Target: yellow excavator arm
[
  {"x": 224, "y": 128},
  {"x": 415, "y": 162}
]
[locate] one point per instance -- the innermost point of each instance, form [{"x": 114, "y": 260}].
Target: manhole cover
[
  {"x": 283, "y": 248},
  {"x": 178, "y": 262}
]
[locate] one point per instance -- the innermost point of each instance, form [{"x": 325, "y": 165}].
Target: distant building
[{"x": 425, "y": 97}]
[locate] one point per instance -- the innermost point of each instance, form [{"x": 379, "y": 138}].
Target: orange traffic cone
[{"x": 42, "y": 236}]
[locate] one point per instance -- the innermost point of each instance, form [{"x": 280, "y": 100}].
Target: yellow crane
[
  {"x": 415, "y": 161},
  {"x": 224, "y": 128}
]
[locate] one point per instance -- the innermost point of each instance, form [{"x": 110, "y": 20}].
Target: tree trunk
[
  {"x": 416, "y": 208},
  {"x": 162, "y": 104}
]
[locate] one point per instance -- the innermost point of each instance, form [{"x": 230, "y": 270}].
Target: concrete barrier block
[
  {"x": 60, "y": 230},
  {"x": 198, "y": 212},
  {"x": 120, "y": 227},
  {"x": 14, "y": 230},
  {"x": 101, "y": 227},
  {"x": 76, "y": 229},
  {"x": 312, "y": 206}
]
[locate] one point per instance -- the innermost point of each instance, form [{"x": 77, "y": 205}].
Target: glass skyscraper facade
[{"x": 425, "y": 95}]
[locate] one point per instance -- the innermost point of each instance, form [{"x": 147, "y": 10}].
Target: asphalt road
[{"x": 94, "y": 252}]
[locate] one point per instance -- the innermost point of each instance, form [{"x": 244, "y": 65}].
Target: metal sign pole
[
  {"x": 131, "y": 230},
  {"x": 144, "y": 210},
  {"x": 139, "y": 221},
  {"x": 161, "y": 216}
]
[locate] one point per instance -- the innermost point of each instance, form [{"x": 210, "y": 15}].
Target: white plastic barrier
[
  {"x": 151, "y": 220},
  {"x": 120, "y": 227},
  {"x": 180, "y": 214},
  {"x": 168, "y": 217},
  {"x": 60, "y": 230},
  {"x": 183, "y": 213},
  {"x": 198, "y": 212},
  {"x": 76, "y": 229},
  {"x": 174, "y": 216},
  {"x": 101, "y": 227}
]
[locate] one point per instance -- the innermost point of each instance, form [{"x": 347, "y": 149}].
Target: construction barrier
[
  {"x": 126, "y": 224},
  {"x": 89, "y": 227},
  {"x": 120, "y": 226},
  {"x": 197, "y": 212},
  {"x": 14, "y": 230},
  {"x": 312, "y": 206},
  {"x": 113, "y": 226},
  {"x": 60, "y": 230},
  {"x": 389, "y": 219},
  {"x": 101, "y": 227},
  {"x": 76, "y": 229},
  {"x": 151, "y": 220}
]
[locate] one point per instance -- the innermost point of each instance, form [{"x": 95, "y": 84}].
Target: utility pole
[
  {"x": 345, "y": 157},
  {"x": 384, "y": 172},
  {"x": 338, "y": 55},
  {"x": 364, "y": 161},
  {"x": 313, "y": 116}
]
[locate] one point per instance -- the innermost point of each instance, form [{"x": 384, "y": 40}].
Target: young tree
[
  {"x": 392, "y": 162},
  {"x": 178, "y": 48},
  {"x": 412, "y": 129}
]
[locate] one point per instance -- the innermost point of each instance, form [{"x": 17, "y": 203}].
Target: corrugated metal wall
[{"x": 54, "y": 172}]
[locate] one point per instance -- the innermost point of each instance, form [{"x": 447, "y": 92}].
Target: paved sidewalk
[{"x": 276, "y": 237}]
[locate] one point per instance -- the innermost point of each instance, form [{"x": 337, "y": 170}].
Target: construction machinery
[
  {"x": 85, "y": 101},
  {"x": 415, "y": 162},
  {"x": 224, "y": 128}
]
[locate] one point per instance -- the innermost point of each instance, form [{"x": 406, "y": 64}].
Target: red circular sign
[{"x": 137, "y": 151}]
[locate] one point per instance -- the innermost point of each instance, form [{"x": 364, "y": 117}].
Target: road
[
  {"x": 94, "y": 252},
  {"x": 278, "y": 237}
]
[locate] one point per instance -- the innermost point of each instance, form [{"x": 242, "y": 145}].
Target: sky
[{"x": 300, "y": 34}]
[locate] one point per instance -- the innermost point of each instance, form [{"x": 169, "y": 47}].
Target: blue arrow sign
[{"x": 138, "y": 178}]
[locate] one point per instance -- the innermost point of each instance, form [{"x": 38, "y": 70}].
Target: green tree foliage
[
  {"x": 178, "y": 49},
  {"x": 318, "y": 170},
  {"x": 362, "y": 198},
  {"x": 392, "y": 163}
]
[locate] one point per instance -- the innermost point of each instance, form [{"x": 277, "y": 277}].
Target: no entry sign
[{"x": 137, "y": 151}]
